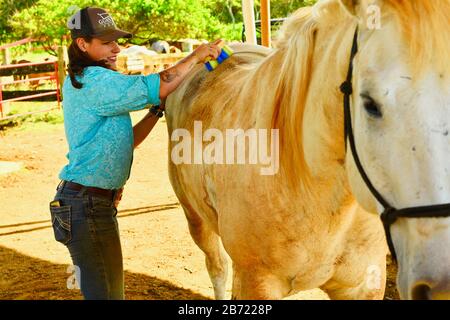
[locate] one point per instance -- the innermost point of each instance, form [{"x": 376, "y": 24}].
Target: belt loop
[
  {"x": 61, "y": 186},
  {"x": 115, "y": 194},
  {"x": 89, "y": 197},
  {"x": 82, "y": 192}
]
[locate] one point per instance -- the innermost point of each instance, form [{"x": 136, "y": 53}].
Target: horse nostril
[{"x": 421, "y": 292}]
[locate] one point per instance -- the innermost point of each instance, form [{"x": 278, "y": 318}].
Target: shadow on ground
[{"x": 24, "y": 277}]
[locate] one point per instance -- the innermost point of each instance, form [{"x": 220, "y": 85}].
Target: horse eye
[{"x": 371, "y": 106}]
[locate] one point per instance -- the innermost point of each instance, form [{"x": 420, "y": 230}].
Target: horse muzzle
[{"x": 423, "y": 290}]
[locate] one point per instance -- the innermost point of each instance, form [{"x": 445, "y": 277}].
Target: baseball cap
[{"x": 97, "y": 23}]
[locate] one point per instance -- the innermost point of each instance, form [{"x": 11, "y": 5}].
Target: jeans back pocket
[{"x": 61, "y": 222}]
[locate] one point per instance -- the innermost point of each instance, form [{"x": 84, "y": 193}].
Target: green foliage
[
  {"x": 282, "y": 8},
  {"x": 148, "y": 20},
  {"x": 7, "y": 10}
]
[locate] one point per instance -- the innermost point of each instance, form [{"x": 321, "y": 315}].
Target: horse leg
[
  {"x": 370, "y": 287},
  {"x": 360, "y": 271},
  {"x": 251, "y": 283},
  {"x": 215, "y": 256}
]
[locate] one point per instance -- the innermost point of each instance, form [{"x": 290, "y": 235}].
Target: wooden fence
[
  {"x": 44, "y": 70},
  {"x": 146, "y": 64},
  {"x": 32, "y": 73}
]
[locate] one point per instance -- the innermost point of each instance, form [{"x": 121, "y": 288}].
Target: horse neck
[{"x": 306, "y": 105}]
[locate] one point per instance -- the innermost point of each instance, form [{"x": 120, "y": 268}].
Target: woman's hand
[
  {"x": 172, "y": 77},
  {"x": 206, "y": 50}
]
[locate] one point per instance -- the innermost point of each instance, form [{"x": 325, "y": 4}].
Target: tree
[
  {"x": 7, "y": 10},
  {"x": 148, "y": 20},
  {"x": 282, "y": 8}
]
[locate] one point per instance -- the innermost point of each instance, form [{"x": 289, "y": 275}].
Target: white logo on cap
[
  {"x": 74, "y": 22},
  {"x": 106, "y": 20}
]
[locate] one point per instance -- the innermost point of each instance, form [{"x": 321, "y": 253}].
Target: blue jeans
[{"x": 87, "y": 225}]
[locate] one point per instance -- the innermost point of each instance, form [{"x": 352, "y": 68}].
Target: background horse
[{"x": 302, "y": 227}]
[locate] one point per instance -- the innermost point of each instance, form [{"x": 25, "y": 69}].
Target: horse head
[{"x": 399, "y": 103}]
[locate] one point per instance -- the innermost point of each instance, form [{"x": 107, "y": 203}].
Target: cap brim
[{"x": 113, "y": 35}]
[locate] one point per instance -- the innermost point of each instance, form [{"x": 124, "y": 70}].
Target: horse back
[{"x": 209, "y": 98}]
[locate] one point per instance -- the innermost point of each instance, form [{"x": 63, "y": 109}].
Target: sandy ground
[{"x": 160, "y": 259}]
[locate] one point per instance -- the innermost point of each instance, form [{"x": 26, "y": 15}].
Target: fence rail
[
  {"x": 146, "y": 64},
  {"x": 13, "y": 67},
  {"x": 27, "y": 80}
]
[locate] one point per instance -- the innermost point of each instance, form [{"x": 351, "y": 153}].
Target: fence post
[
  {"x": 249, "y": 21},
  {"x": 62, "y": 63},
  {"x": 265, "y": 23},
  {"x": 1, "y": 99},
  {"x": 6, "y": 58}
]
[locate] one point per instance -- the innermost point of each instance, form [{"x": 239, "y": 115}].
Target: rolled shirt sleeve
[
  {"x": 153, "y": 83},
  {"x": 111, "y": 93}
]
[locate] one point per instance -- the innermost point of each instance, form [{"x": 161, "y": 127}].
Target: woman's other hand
[
  {"x": 172, "y": 77},
  {"x": 207, "y": 50}
]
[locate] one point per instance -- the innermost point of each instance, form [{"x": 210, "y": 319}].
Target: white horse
[{"x": 301, "y": 228}]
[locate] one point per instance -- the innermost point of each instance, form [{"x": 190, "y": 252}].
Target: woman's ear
[{"x": 81, "y": 43}]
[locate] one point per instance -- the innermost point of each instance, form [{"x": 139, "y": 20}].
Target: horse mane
[
  {"x": 425, "y": 27},
  {"x": 296, "y": 42}
]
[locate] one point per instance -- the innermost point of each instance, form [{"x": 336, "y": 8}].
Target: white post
[
  {"x": 63, "y": 60},
  {"x": 249, "y": 21},
  {"x": 6, "y": 58}
]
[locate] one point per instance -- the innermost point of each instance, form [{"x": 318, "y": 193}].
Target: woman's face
[{"x": 99, "y": 50}]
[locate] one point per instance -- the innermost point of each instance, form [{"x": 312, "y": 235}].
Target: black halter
[{"x": 390, "y": 214}]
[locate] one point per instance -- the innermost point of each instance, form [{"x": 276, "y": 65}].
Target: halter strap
[
  {"x": 347, "y": 89},
  {"x": 390, "y": 214}
]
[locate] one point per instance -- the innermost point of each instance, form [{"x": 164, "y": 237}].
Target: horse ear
[{"x": 350, "y": 5}]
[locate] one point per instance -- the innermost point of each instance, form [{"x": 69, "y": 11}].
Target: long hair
[
  {"x": 297, "y": 41},
  {"x": 78, "y": 60}
]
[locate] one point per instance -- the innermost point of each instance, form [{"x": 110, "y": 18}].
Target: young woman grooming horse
[{"x": 97, "y": 103}]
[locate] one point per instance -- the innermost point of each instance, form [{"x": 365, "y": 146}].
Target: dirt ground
[{"x": 160, "y": 259}]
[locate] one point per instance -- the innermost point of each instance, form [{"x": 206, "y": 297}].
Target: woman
[{"x": 97, "y": 102}]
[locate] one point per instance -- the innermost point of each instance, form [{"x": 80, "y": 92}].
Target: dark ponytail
[{"x": 78, "y": 60}]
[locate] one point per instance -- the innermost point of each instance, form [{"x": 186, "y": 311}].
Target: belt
[{"x": 111, "y": 194}]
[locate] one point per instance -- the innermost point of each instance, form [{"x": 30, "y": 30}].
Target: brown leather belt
[{"x": 90, "y": 190}]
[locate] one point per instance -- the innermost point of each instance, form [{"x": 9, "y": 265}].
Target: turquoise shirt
[{"x": 98, "y": 125}]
